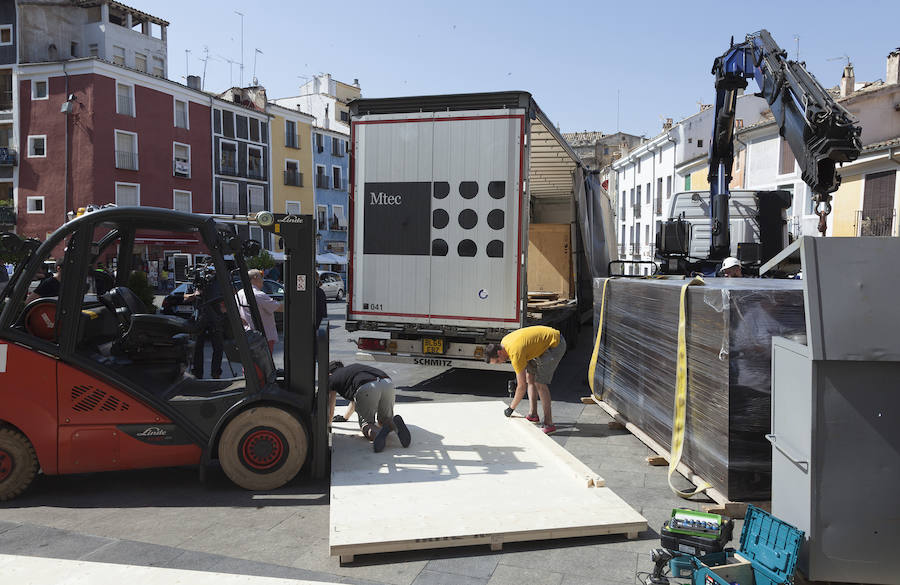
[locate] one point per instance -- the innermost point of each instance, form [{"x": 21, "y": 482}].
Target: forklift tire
[
  {"x": 263, "y": 448},
  {"x": 18, "y": 463}
]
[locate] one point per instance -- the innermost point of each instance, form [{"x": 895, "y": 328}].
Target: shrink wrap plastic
[{"x": 730, "y": 325}]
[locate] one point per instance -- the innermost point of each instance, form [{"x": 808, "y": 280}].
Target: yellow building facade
[{"x": 292, "y": 161}]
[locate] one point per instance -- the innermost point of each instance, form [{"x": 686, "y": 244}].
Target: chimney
[
  {"x": 848, "y": 80},
  {"x": 193, "y": 81},
  {"x": 667, "y": 125},
  {"x": 893, "y": 67},
  {"x": 355, "y": 82}
]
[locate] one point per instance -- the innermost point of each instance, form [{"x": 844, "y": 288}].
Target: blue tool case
[{"x": 768, "y": 554}]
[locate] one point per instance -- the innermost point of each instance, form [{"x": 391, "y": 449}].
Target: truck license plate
[{"x": 432, "y": 345}]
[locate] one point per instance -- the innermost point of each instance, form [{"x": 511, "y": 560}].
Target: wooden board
[
  {"x": 471, "y": 476},
  {"x": 550, "y": 258}
]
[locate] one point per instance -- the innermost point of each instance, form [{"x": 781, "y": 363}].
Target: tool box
[
  {"x": 768, "y": 555},
  {"x": 696, "y": 533}
]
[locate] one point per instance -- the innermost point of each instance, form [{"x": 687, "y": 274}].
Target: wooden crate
[{"x": 550, "y": 258}]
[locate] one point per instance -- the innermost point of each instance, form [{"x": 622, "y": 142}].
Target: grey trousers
[{"x": 375, "y": 398}]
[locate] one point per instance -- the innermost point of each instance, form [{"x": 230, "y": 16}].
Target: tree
[
  {"x": 262, "y": 261},
  {"x": 139, "y": 285}
]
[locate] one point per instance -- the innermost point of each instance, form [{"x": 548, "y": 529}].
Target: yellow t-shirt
[{"x": 528, "y": 343}]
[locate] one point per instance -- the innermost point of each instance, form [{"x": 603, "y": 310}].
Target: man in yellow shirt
[{"x": 534, "y": 353}]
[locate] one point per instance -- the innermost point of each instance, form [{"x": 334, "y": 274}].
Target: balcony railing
[
  {"x": 125, "y": 105},
  {"x": 875, "y": 222},
  {"x": 8, "y": 157},
  {"x": 293, "y": 178},
  {"x": 125, "y": 159},
  {"x": 228, "y": 168},
  {"x": 6, "y": 100},
  {"x": 256, "y": 173},
  {"x": 292, "y": 140},
  {"x": 336, "y": 226},
  {"x": 336, "y": 151},
  {"x": 7, "y": 216},
  {"x": 323, "y": 182}
]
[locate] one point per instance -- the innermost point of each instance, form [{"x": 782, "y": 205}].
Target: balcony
[
  {"x": 125, "y": 106},
  {"x": 292, "y": 141},
  {"x": 337, "y": 226},
  {"x": 228, "y": 168},
  {"x": 8, "y": 157},
  {"x": 875, "y": 222},
  {"x": 256, "y": 173},
  {"x": 6, "y": 100},
  {"x": 323, "y": 182},
  {"x": 293, "y": 178},
  {"x": 125, "y": 159},
  {"x": 637, "y": 210},
  {"x": 7, "y": 216}
]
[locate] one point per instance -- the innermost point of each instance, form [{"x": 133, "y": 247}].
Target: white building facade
[{"x": 326, "y": 99}]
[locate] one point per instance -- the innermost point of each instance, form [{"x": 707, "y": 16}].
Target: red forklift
[{"x": 94, "y": 380}]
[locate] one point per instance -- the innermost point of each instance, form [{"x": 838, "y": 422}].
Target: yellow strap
[
  {"x": 681, "y": 389},
  {"x": 593, "y": 365}
]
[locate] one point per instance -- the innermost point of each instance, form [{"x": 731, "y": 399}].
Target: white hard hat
[{"x": 730, "y": 262}]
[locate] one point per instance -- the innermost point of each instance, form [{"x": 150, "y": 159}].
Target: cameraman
[{"x": 210, "y": 320}]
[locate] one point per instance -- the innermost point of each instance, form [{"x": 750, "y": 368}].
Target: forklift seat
[{"x": 144, "y": 336}]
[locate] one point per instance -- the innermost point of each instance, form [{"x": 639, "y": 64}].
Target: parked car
[
  {"x": 332, "y": 284},
  {"x": 174, "y": 303}
]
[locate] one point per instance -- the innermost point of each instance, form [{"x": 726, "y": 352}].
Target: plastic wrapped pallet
[{"x": 729, "y": 324}]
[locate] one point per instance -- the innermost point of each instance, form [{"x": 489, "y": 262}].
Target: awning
[{"x": 330, "y": 258}]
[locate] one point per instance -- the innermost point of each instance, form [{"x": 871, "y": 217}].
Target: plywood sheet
[
  {"x": 471, "y": 476},
  {"x": 550, "y": 258}
]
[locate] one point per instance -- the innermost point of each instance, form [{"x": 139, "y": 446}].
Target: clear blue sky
[{"x": 574, "y": 57}]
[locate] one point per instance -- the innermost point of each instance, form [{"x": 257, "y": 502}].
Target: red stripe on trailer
[{"x": 357, "y": 314}]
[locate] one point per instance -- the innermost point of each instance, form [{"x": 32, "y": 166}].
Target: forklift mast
[{"x": 820, "y": 132}]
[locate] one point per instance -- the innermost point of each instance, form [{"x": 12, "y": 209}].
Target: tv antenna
[
  {"x": 844, "y": 57},
  {"x": 241, "y": 14},
  {"x": 255, "y": 53},
  {"x": 205, "y": 59}
]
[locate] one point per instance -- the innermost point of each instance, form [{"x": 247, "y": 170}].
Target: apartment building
[
  {"x": 292, "y": 161},
  {"x": 331, "y": 159},
  {"x": 8, "y": 143},
  {"x": 326, "y": 99}
]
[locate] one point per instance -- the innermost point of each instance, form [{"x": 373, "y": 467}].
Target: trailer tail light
[{"x": 372, "y": 343}]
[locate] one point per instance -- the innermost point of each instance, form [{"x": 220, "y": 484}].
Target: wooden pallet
[
  {"x": 471, "y": 476},
  {"x": 722, "y": 505}
]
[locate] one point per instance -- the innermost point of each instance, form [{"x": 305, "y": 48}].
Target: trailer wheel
[
  {"x": 18, "y": 463},
  {"x": 263, "y": 448},
  {"x": 340, "y": 295}
]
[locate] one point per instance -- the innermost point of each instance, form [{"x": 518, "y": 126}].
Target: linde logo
[
  {"x": 152, "y": 432},
  {"x": 384, "y": 199}
]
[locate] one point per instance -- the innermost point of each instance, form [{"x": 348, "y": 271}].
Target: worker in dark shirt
[
  {"x": 373, "y": 393},
  {"x": 48, "y": 287}
]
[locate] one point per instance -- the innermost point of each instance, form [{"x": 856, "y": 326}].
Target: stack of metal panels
[{"x": 729, "y": 324}]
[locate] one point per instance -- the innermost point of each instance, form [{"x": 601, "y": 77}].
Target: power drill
[{"x": 660, "y": 557}]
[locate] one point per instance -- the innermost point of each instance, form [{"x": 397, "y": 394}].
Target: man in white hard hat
[{"x": 731, "y": 268}]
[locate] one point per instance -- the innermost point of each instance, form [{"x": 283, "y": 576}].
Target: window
[
  {"x": 39, "y": 89},
  {"x": 786, "y": 159},
  {"x": 73, "y": 49},
  {"x": 647, "y": 233},
  {"x": 736, "y": 166},
  {"x": 230, "y": 198},
  {"x": 35, "y": 204},
  {"x": 336, "y": 145},
  {"x": 181, "y": 160},
  {"x": 321, "y": 177},
  {"x": 6, "y": 37},
  {"x": 242, "y": 127},
  {"x": 292, "y": 174},
  {"x": 159, "y": 67},
  {"x": 637, "y": 199},
  {"x": 125, "y": 99},
  {"x": 228, "y": 158},
  {"x": 659, "y": 194},
  {"x": 320, "y": 143},
  {"x": 637, "y": 235},
  {"x": 92, "y": 50},
  {"x": 336, "y": 178},
  {"x": 631, "y": 197},
  {"x": 345, "y": 116},
  {"x": 128, "y": 194},
  {"x": 217, "y": 121},
  {"x": 622, "y": 233},
  {"x": 181, "y": 201},
  {"x": 648, "y": 194},
  {"x": 338, "y": 221},
  {"x": 639, "y": 164},
  {"x": 660, "y": 155},
  {"x": 263, "y": 132},
  {"x": 256, "y": 233},
  {"x": 699, "y": 143},
  {"x": 119, "y": 55},
  {"x": 6, "y": 138},
  {"x": 126, "y": 150},
  {"x": 291, "y": 136},
  {"x": 181, "y": 114},
  {"x": 257, "y": 196},
  {"x": 668, "y": 186},
  {"x": 254, "y": 130},
  {"x": 228, "y": 124},
  {"x": 292, "y": 207},
  {"x": 140, "y": 62},
  {"x": 37, "y": 146},
  {"x": 623, "y": 202},
  {"x": 322, "y": 217},
  {"x": 255, "y": 163}
]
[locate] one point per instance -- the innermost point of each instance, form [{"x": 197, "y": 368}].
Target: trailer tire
[
  {"x": 18, "y": 463},
  {"x": 263, "y": 448}
]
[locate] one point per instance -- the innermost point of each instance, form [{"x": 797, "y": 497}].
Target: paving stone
[
  {"x": 41, "y": 541},
  {"x": 514, "y": 575},
  {"x": 129, "y": 552},
  {"x": 580, "y": 558},
  {"x": 470, "y": 566},
  {"x": 438, "y": 578}
]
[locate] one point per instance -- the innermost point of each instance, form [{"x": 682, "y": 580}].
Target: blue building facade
[{"x": 331, "y": 164}]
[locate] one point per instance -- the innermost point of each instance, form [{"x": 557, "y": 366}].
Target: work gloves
[{"x": 508, "y": 412}]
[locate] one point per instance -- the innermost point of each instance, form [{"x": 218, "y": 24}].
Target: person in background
[
  {"x": 210, "y": 325},
  {"x": 267, "y": 308},
  {"x": 731, "y": 268},
  {"x": 373, "y": 393},
  {"x": 48, "y": 287},
  {"x": 534, "y": 353}
]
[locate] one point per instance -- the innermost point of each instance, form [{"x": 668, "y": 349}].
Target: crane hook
[{"x": 823, "y": 209}]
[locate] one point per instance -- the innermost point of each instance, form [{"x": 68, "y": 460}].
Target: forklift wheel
[
  {"x": 263, "y": 448},
  {"x": 18, "y": 463}
]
